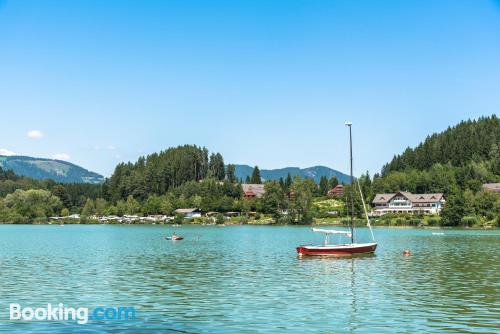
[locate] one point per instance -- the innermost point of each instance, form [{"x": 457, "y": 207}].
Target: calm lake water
[{"x": 247, "y": 279}]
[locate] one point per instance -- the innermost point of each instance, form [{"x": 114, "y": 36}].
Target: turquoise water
[{"x": 247, "y": 279}]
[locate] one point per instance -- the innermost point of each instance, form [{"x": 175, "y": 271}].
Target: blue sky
[{"x": 263, "y": 82}]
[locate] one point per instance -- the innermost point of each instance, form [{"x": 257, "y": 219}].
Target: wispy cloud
[
  {"x": 35, "y": 134},
  {"x": 4, "y": 151},
  {"x": 61, "y": 156},
  {"x": 107, "y": 147}
]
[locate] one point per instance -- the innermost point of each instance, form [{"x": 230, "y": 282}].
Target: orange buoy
[{"x": 406, "y": 252}]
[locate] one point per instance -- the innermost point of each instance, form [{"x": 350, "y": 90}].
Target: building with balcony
[
  {"x": 406, "y": 202},
  {"x": 337, "y": 191}
]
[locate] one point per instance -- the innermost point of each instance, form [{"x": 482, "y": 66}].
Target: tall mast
[{"x": 349, "y": 124}]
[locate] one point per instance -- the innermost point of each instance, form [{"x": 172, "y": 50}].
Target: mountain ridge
[
  {"x": 314, "y": 172},
  {"x": 44, "y": 168}
]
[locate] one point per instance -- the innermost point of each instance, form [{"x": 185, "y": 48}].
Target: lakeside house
[
  {"x": 406, "y": 202},
  {"x": 253, "y": 190},
  {"x": 337, "y": 191},
  {"x": 189, "y": 213},
  {"x": 492, "y": 187}
]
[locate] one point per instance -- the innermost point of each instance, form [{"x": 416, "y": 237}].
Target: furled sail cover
[{"x": 319, "y": 230}]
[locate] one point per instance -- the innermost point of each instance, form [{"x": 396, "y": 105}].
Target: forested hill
[
  {"x": 159, "y": 172},
  {"x": 459, "y": 159},
  {"x": 470, "y": 141}
]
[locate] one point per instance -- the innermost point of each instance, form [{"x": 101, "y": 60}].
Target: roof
[
  {"x": 406, "y": 194},
  {"x": 337, "y": 188},
  {"x": 383, "y": 198},
  {"x": 416, "y": 198},
  {"x": 423, "y": 198},
  {"x": 256, "y": 189},
  {"x": 336, "y": 191},
  {"x": 188, "y": 210},
  {"x": 495, "y": 187}
]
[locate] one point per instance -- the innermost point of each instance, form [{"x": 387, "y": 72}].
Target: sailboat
[{"x": 348, "y": 248}]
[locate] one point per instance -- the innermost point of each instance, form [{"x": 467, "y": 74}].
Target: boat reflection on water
[
  {"x": 353, "y": 290},
  {"x": 337, "y": 257}
]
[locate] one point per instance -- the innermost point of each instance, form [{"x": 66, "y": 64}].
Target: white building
[
  {"x": 189, "y": 213},
  {"x": 406, "y": 202},
  {"x": 493, "y": 187}
]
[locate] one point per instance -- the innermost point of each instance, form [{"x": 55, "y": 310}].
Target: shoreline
[{"x": 259, "y": 224}]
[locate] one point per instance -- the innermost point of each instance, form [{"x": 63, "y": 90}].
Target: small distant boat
[
  {"x": 342, "y": 249},
  {"x": 437, "y": 233},
  {"x": 176, "y": 225},
  {"x": 174, "y": 237}
]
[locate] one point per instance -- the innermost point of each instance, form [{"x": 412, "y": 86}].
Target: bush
[
  {"x": 198, "y": 220},
  {"x": 414, "y": 222},
  {"x": 87, "y": 220},
  {"x": 433, "y": 221},
  {"x": 207, "y": 220},
  {"x": 469, "y": 221},
  {"x": 243, "y": 220},
  {"x": 17, "y": 219},
  {"x": 284, "y": 220},
  {"x": 178, "y": 219},
  {"x": 219, "y": 219}
]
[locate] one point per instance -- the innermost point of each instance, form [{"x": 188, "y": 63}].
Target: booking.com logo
[{"x": 81, "y": 315}]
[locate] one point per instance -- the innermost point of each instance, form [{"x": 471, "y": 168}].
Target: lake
[{"x": 247, "y": 279}]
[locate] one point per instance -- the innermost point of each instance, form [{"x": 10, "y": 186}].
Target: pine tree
[
  {"x": 333, "y": 182},
  {"x": 230, "y": 173},
  {"x": 61, "y": 192},
  {"x": 323, "y": 185},
  {"x": 288, "y": 181},
  {"x": 256, "y": 176},
  {"x": 89, "y": 208}
]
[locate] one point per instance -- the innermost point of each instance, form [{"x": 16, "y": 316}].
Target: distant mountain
[
  {"x": 57, "y": 170},
  {"x": 316, "y": 172}
]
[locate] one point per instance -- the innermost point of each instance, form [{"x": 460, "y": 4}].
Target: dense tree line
[
  {"x": 27, "y": 206},
  {"x": 72, "y": 195},
  {"x": 159, "y": 172},
  {"x": 472, "y": 141}
]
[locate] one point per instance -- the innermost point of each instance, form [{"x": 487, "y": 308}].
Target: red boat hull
[
  {"x": 337, "y": 250},
  {"x": 174, "y": 239}
]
